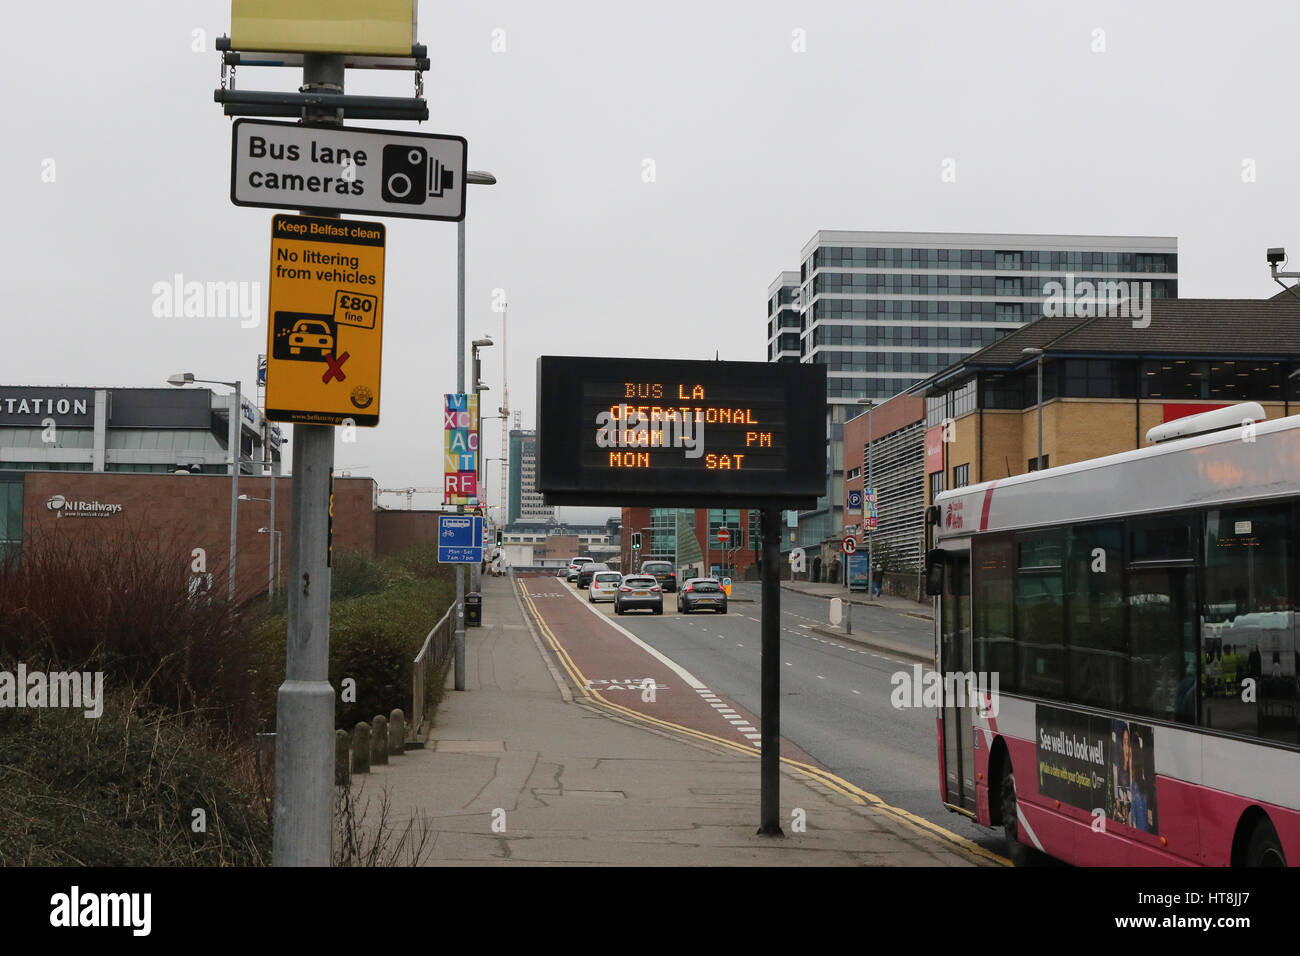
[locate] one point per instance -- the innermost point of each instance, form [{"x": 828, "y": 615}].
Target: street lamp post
[
  {"x": 479, "y": 388},
  {"x": 277, "y": 538},
  {"x": 270, "y": 546},
  {"x": 236, "y": 410},
  {"x": 1038, "y": 352},
  {"x": 472, "y": 177}
]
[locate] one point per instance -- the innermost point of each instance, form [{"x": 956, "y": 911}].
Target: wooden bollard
[
  {"x": 361, "y": 748},
  {"x": 396, "y": 732},
  {"x": 379, "y": 741},
  {"x": 342, "y": 758}
]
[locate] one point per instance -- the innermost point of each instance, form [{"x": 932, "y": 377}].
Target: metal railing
[{"x": 434, "y": 653}]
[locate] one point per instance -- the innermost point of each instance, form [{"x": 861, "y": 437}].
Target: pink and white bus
[{"x": 1138, "y": 614}]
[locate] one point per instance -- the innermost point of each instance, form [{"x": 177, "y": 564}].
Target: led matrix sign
[{"x": 645, "y": 431}]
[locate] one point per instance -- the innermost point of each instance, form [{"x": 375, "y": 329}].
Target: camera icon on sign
[{"x": 409, "y": 175}]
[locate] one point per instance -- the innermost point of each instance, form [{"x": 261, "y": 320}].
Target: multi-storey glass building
[
  {"x": 884, "y": 311},
  {"x": 526, "y": 503}
]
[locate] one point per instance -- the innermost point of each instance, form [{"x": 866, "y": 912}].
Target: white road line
[
  {"x": 754, "y": 736},
  {"x": 756, "y": 620},
  {"x": 809, "y": 626},
  {"x": 857, "y": 692},
  {"x": 819, "y": 677}
]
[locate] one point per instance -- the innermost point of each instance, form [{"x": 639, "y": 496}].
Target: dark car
[
  {"x": 575, "y": 565},
  {"x": 702, "y": 594},
  {"x": 663, "y": 573},
  {"x": 639, "y": 591},
  {"x": 587, "y": 570}
]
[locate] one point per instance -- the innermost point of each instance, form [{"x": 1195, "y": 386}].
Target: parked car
[
  {"x": 702, "y": 594},
  {"x": 575, "y": 565},
  {"x": 604, "y": 586},
  {"x": 639, "y": 591},
  {"x": 663, "y": 573},
  {"x": 587, "y": 570}
]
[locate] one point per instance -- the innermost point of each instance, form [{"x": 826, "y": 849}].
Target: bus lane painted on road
[{"x": 610, "y": 664}]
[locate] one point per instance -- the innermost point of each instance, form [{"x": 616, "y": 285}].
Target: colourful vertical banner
[{"x": 460, "y": 449}]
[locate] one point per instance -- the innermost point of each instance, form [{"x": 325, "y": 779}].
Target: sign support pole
[
  {"x": 459, "y": 634},
  {"x": 304, "y": 724},
  {"x": 770, "y": 719}
]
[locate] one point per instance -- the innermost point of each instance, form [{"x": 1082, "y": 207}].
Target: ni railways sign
[{"x": 676, "y": 433}]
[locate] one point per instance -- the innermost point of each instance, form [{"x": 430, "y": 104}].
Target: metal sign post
[
  {"x": 304, "y": 718},
  {"x": 769, "y": 813}
]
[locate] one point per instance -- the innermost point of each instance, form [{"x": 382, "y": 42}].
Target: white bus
[{"x": 1138, "y": 614}]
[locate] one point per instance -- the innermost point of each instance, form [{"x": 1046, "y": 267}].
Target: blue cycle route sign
[{"x": 460, "y": 539}]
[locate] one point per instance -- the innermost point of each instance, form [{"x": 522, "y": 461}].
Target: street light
[
  {"x": 476, "y": 177},
  {"x": 276, "y": 539},
  {"x": 270, "y": 555},
  {"x": 1038, "y": 352},
  {"x": 236, "y": 411}
]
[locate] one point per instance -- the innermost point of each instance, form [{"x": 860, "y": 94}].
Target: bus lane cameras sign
[
  {"x": 325, "y": 332},
  {"x": 375, "y": 172}
]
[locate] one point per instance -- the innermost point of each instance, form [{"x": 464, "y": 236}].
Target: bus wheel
[
  {"x": 1265, "y": 849},
  {"x": 1017, "y": 852}
]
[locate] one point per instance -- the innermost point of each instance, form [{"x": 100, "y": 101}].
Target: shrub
[
  {"x": 121, "y": 790},
  {"x": 121, "y": 604}
]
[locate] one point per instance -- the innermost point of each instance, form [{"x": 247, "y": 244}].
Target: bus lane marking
[{"x": 854, "y": 793}]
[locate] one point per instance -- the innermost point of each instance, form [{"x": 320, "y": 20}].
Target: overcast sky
[{"x": 764, "y": 121}]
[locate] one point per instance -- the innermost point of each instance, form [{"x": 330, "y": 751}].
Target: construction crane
[{"x": 410, "y": 493}]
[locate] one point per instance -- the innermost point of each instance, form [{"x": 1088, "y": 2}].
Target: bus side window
[
  {"x": 1248, "y": 629},
  {"x": 934, "y": 572}
]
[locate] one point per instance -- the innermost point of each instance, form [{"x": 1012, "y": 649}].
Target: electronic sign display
[{"x": 650, "y": 431}]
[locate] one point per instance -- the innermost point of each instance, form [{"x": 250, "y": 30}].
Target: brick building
[
  {"x": 179, "y": 513},
  {"x": 1106, "y": 381}
]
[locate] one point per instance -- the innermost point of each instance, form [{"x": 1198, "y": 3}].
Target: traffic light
[
  {"x": 636, "y": 540},
  {"x": 500, "y": 537}
]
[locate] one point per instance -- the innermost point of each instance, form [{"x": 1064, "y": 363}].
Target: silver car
[
  {"x": 639, "y": 591},
  {"x": 604, "y": 586}
]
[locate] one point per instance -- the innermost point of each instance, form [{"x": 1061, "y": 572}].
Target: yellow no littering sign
[{"x": 325, "y": 324}]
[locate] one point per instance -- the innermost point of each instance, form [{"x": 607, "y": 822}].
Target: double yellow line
[{"x": 910, "y": 820}]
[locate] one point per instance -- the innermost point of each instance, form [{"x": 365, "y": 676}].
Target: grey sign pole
[
  {"x": 235, "y": 439},
  {"x": 459, "y": 635},
  {"x": 304, "y": 720},
  {"x": 770, "y": 680}
]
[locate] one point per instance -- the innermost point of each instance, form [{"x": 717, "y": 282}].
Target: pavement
[
  {"x": 537, "y": 764},
  {"x": 893, "y": 602}
]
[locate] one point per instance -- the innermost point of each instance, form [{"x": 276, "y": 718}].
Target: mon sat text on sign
[{"x": 326, "y": 316}]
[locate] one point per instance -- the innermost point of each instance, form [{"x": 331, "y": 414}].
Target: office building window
[
  {"x": 1033, "y": 463},
  {"x": 936, "y": 484},
  {"x": 961, "y": 476}
]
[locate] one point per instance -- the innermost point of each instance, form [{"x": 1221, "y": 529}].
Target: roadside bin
[{"x": 473, "y": 609}]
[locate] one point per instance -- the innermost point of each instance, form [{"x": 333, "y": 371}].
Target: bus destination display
[{"x": 621, "y": 431}]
